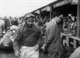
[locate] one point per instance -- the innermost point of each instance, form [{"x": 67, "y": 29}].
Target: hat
[{"x": 29, "y": 15}]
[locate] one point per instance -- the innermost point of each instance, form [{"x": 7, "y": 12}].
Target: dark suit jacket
[{"x": 53, "y": 37}]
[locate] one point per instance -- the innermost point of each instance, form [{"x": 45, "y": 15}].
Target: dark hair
[
  {"x": 56, "y": 14},
  {"x": 68, "y": 17}
]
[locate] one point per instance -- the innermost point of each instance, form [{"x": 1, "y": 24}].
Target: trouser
[{"x": 29, "y": 52}]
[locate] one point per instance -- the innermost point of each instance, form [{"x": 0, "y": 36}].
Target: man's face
[
  {"x": 29, "y": 22},
  {"x": 58, "y": 19}
]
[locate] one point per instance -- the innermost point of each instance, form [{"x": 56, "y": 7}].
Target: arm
[
  {"x": 16, "y": 41},
  {"x": 51, "y": 33}
]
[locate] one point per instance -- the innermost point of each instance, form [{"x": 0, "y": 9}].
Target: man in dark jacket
[
  {"x": 53, "y": 36},
  {"x": 7, "y": 23},
  {"x": 14, "y": 21},
  {"x": 27, "y": 38}
]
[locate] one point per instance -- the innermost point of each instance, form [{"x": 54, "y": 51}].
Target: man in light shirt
[{"x": 53, "y": 36}]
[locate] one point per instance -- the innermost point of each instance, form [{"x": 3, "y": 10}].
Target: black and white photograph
[{"x": 39, "y": 28}]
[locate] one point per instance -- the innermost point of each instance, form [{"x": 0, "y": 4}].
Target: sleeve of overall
[
  {"x": 16, "y": 41},
  {"x": 51, "y": 33}
]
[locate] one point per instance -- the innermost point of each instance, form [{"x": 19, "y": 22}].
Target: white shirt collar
[{"x": 53, "y": 21}]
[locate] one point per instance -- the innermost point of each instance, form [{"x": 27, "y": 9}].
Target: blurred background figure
[
  {"x": 2, "y": 25},
  {"x": 7, "y": 23},
  {"x": 14, "y": 21}
]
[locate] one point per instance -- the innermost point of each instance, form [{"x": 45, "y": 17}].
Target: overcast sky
[{"x": 17, "y": 8}]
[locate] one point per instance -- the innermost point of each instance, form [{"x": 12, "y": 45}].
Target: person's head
[
  {"x": 58, "y": 16},
  {"x": 69, "y": 19},
  {"x": 10, "y": 17},
  {"x": 5, "y": 17},
  {"x": 29, "y": 20}
]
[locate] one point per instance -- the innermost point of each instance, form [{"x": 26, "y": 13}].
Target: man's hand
[
  {"x": 17, "y": 53},
  {"x": 43, "y": 47}
]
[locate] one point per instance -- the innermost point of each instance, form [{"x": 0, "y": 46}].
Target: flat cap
[{"x": 29, "y": 15}]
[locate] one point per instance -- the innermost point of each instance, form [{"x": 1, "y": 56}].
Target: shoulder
[
  {"x": 21, "y": 27},
  {"x": 38, "y": 28},
  {"x": 50, "y": 25}
]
